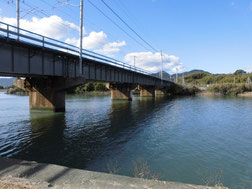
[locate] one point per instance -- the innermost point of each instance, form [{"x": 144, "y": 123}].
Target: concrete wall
[{"x": 58, "y": 177}]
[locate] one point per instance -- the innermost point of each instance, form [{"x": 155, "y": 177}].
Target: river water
[{"x": 197, "y": 140}]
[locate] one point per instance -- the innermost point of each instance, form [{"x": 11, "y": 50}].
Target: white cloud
[
  {"x": 98, "y": 41},
  {"x": 111, "y": 47},
  {"x": 57, "y": 28},
  {"x": 53, "y": 26},
  {"x": 178, "y": 68},
  {"x": 152, "y": 61},
  {"x": 92, "y": 41},
  {"x": 249, "y": 69}
]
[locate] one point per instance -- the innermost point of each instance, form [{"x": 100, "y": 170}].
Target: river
[{"x": 197, "y": 140}]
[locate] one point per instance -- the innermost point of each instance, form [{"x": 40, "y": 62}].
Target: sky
[{"x": 212, "y": 35}]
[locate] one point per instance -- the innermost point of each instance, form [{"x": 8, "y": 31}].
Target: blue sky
[{"x": 213, "y": 35}]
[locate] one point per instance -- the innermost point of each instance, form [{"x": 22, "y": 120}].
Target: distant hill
[
  {"x": 167, "y": 76},
  {"x": 191, "y": 72},
  {"x": 6, "y": 82}
]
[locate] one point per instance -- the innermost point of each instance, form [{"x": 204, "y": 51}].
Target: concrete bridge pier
[
  {"x": 44, "y": 93},
  {"x": 47, "y": 94},
  {"x": 120, "y": 91},
  {"x": 161, "y": 92},
  {"x": 146, "y": 91},
  {"x": 48, "y": 99}
]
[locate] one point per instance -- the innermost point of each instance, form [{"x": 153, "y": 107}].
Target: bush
[
  {"x": 1, "y": 87},
  {"x": 184, "y": 90},
  {"x": 80, "y": 90},
  {"x": 100, "y": 87},
  {"x": 239, "y": 72},
  {"x": 230, "y": 89},
  {"x": 203, "y": 78},
  {"x": 89, "y": 87},
  {"x": 195, "y": 77}
]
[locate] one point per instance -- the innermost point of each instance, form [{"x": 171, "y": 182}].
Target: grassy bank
[
  {"x": 230, "y": 89},
  {"x": 203, "y": 78},
  {"x": 183, "y": 90}
]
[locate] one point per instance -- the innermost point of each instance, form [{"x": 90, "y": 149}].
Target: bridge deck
[{"x": 44, "y": 57}]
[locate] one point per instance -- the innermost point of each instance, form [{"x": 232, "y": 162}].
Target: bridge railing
[{"x": 23, "y": 35}]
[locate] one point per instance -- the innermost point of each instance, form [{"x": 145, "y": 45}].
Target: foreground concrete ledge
[{"x": 57, "y": 177}]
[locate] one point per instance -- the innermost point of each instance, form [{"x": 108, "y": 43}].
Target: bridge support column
[
  {"x": 146, "y": 91},
  {"x": 161, "y": 92},
  {"x": 120, "y": 91},
  {"x": 47, "y": 100},
  {"x": 45, "y": 93}
]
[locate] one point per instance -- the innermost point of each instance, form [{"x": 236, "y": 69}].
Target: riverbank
[
  {"x": 209, "y": 93},
  {"x": 33, "y": 175},
  {"x": 102, "y": 93},
  {"x": 16, "y": 91},
  {"x": 231, "y": 89}
]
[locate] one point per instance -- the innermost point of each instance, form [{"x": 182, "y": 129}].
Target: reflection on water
[{"x": 179, "y": 138}]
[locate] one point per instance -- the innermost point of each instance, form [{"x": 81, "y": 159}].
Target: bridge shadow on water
[{"x": 53, "y": 140}]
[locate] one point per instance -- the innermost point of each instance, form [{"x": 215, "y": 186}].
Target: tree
[
  {"x": 1, "y": 87},
  {"x": 239, "y": 72},
  {"x": 100, "y": 87},
  {"x": 89, "y": 87}
]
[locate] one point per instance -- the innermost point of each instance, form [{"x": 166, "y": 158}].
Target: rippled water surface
[{"x": 181, "y": 139}]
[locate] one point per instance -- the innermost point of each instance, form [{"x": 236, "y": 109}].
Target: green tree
[
  {"x": 239, "y": 72},
  {"x": 100, "y": 87},
  {"x": 89, "y": 87}
]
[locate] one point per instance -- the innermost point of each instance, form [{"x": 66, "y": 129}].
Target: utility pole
[
  {"x": 66, "y": 2},
  {"x": 248, "y": 80},
  {"x": 161, "y": 68},
  {"x": 18, "y": 18},
  {"x": 81, "y": 34},
  {"x": 176, "y": 75}
]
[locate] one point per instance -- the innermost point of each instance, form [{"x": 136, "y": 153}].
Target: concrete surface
[{"x": 60, "y": 177}]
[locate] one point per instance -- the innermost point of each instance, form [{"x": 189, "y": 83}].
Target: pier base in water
[
  {"x": 147, "y": 91},
  {"x": 45, "y": 93},
  {"x": 120, "y": 91}
]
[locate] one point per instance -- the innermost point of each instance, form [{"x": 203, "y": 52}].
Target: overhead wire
[
  {"x": 41, "y": 12},
  {"x": 126, "y": 11},
  {"x": 97, "y": 8},
  {"x": 129, "y": 26},
  {"x": 65, "y": 12}
]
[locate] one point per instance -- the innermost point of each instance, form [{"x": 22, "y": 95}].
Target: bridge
[{"x": 50, "y": 67}]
